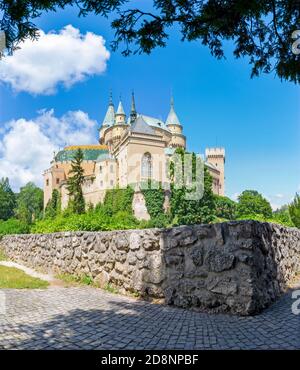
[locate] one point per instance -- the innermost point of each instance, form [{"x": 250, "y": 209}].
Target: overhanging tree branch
[{"x": 260, "y": 30}]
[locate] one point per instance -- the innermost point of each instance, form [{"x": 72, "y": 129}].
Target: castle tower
[
  {"x": 109, "y": 119},
  {"x": 216, "y": 157},
  {"x": 174, "y": 125},
  {"x": 133, "y": 113},
  {"x": 120, "y": 126},
  {"x": 120, "y": 116}
]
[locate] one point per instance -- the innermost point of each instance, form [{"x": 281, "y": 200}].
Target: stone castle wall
[{"x": 237, "y": 267}]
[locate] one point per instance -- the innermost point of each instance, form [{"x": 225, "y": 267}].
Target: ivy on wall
[
  {"x": 117, "y": 200},
  {"x": 154, "y": 199},
  {"x": 185, "y": 211}
]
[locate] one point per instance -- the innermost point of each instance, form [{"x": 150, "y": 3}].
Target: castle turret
[
  {"x": 175, "y": 127},
  {"x": 120, "y": 126},
  {"x": 216, "y": 157},
  {"x": 109, "y": 119},
  {"x": 120, "y": 116}
]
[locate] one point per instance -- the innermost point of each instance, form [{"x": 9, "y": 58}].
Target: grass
[
  {"x": 13, "y": 278},
  {"x": 75, "y": 280},
  {"x": 72, "y": 280},
  {"x": 3, "y": 256},
  {"x": 109, "y": 288}
]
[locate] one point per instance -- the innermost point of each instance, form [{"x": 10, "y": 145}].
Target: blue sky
[{"x": 256, "y": 120}]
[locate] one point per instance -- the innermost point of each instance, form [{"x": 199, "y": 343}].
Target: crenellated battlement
[
  {"x": 214, "y": 152},
  {"x": 216, "y": 157}
]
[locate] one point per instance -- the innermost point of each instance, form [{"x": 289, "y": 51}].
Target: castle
[{"x": 130, "y": 150}]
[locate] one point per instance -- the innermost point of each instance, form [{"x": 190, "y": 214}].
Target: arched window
[{"x": 146, "y": 166}]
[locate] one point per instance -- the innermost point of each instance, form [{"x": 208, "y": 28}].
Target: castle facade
[{"x": 130, "y": 150}]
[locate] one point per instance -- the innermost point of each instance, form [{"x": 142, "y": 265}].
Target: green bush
[
  {"x": 163, "y": 220},
  {"x": 225, "y": 208},
  {"x": 274, "y": 219},
  {"x": 114, "y": 214},
  {"x": 282, "y": 217},
  {"x": 251, "y": 202},
  {"x": 91, "y": 221},
  {"x": 13, "y": 226}
]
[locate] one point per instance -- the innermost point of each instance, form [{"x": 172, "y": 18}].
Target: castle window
[
  {"x": 146, "y": 169},
  {"x": 101, "y": 183},
  {"x": 47, "y": 182},
  {"x": 57, "y": 181},
  {"x": 111, "y": 182},
  {"x": 100, "y": 169},
  {"x": 111, "y": 168}
]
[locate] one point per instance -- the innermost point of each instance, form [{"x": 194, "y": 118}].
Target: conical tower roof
[
  {"x": 120, "y": 109},
  {"x": 172, "y": 116},
  {"x": 109, "y": 118}
]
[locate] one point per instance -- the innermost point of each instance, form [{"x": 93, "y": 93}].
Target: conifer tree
[
  {"x": 294, "y": 210},
  {"x": 54, "y": 205},
  {"x": 7, "y": 200},
  {"x": 74, "y": 183}
]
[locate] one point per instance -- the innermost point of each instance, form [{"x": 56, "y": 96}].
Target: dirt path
[{"x": 47, "y": 277}]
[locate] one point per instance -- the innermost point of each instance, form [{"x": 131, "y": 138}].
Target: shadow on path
[{"x": 88, "y": 318}]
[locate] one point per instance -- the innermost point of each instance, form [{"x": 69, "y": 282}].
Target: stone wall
[
  {"x": 236, "y": 267},
  {"x": 139, "y": 206}
]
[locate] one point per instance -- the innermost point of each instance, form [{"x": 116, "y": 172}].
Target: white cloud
[
  {"x": 235, "y": 196},
  {"x": 275, "y": 206},
  {"x": 27, "y": 146},
  {"x": 66, "y": 57},
  {"x": 279, "y": 196}
]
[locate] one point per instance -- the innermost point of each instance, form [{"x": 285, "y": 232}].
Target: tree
[
  {"x": 54, "y": 206},
  {"x": 294, "y": 210},
  {"x": 187, "y": 211},
  {"x": 250, "y": 202},
  {"x": 282, "y": 216},
  {"x": 74, "y": 183},
  {"x": 225, "y": 207},
  {"x": 13, "y": 226},
  {"x": 259, "y": 30},
  {"x": 7, "y": 200},
  {"x": 30, "y": 203}
]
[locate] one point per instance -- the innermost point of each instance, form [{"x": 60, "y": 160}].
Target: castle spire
[
  {"x": 133, "y": 113},
  {"x": 110, "y": 98},
  {"x": 172, "y": 116},
  {"x": 109, "y": 118},
  {"x": 120, "y": 117}
]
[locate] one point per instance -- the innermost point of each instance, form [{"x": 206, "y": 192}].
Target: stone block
[{"x": 238, "y": 267}]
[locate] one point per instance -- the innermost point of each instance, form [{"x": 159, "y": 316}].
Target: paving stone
[{"x": 89, "y": 318}]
